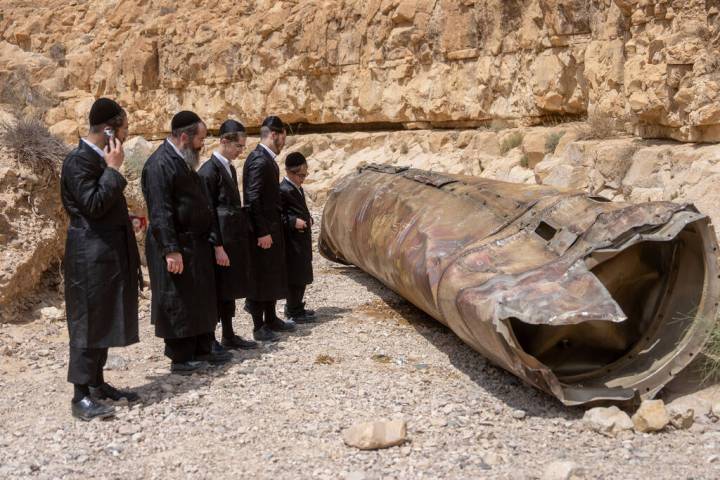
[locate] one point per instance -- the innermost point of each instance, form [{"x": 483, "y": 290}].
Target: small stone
[
  {"x": 519, "y": 414},
  {"x": 6, "y": 351},
  {"x": 52, "y": 314},
  {"x": 682, "y": 420},
  {"x": 562, "y": 470},
  {"x": 492, "y": 459},
  {"x": 375, "y": 435},
  {"x": 356, "y": 475},
  {"x": 607, "y": 420},
  {"x": 166, "y": 387},
  {"x": 128, "y": 429},
  {"x": 115, "y": 362},
  {"x": 652, "y": 416},
  {"x": 438, "y": 421}
]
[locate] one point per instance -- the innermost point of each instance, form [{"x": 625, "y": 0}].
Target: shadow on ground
[
  {"x": 496, "y": 381},
  {"x": 163, "y": 385}
]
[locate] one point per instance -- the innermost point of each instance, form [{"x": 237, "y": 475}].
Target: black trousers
[
  {"x": 86, "y": 365},
  {"x": 226, "y": 312},
  {"x": 189, "y": 348},
  {"x": 259, "y": 308},
  {"x": 295, "y": 306}
]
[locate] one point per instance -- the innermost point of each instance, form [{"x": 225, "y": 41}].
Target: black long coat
[
  {"x": 180, "y": 220},
  {"x": 230, "y": 227},
  {"x": 261, "y": 193},
  {"x": 102, "y": 265},
  {"x": 298, "y": 243}
]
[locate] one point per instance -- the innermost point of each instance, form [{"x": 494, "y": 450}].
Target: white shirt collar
[
  {"x": 273, "y": 155},
  {"x": 95, "y": 147},
  {"x": 224, "y": 161},
  {"x": 296, "y": 187},
  {"x": 175, "y": 148}
]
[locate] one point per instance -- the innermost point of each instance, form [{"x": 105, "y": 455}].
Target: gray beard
[{"x": 192, "y": 157}]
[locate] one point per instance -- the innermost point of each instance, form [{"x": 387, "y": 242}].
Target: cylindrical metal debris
[{"x": 587, "y": 299}]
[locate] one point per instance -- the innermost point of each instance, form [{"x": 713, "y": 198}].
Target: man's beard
[{"x": 192, "y": 157}]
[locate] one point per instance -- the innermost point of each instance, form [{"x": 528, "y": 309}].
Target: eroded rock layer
[{"x": 649, "y": 65}]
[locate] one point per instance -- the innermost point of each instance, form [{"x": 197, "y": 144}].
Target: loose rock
[
  {"x": 607, "y": 420},
  {"x": 563, "y": 470},
  {"x": 651, "y": 416},
  {"x": 375, "y": 435}
]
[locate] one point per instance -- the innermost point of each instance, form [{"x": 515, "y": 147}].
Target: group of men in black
[{"x": 206, "y": 246}]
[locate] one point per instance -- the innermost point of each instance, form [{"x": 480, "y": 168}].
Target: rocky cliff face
[{"x": 650, "y": 65}]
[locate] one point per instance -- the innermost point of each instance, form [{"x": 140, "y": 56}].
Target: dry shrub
[
  {"x": 33, "y": 145},
  {"x": 552, "y": 141},
  {"x": 18, "y": 92},
  {"x": 601, "y": 125},
  {"x": 513, "y": 140},
  {"x": 711, "y": 364}
]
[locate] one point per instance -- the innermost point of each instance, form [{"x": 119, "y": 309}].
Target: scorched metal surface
[{"x": 587, "y": 299}]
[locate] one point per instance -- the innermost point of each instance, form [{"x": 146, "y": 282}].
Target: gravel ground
[{"x": 278, "y": 412}]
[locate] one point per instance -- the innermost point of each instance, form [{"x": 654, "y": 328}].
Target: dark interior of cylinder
[{"x": 658, "y": 285}]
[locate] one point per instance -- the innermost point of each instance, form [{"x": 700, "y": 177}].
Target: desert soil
[{"x": 279, "y": 412}]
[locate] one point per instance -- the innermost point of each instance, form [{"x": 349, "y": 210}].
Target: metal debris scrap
[{"x": 587, "y": 299}]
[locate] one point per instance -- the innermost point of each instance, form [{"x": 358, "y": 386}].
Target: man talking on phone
[{"x": 102, "y": 265}]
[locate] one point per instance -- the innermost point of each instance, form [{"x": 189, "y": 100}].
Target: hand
[
  {"x": 174, "y": 262},
  {"x": 114, "y": 154},
  {"x": 300, "y": 224},
  {"x": 221, "y": 257},
  {"x": 265, "y": 242}
]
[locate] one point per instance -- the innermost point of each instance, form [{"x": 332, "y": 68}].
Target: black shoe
[
  {"x": 264, "y": 334},
  {"x": 302, "y": 319},
  {"x": 187, "y": 368},
  {"x": 107, "y": 391},
  {"x": 278, "y": 325},
  {"x": 237, "y": 341},
  {"x": 87, "y": 409},
  {"x": 305, "y": 312},
  {"x": 217, "y": 348},
  {"x": 216, "y": 357}
]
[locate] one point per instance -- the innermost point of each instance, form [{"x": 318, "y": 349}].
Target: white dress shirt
[
  {"x": 175, "y": 148},
  {"x": 99, "y": 150},
  {"x": 273, "y": 155},
  {"x": 224, "y": 161}
]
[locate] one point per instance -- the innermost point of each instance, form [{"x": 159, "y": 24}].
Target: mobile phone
[{"x": 109, "y": 136}]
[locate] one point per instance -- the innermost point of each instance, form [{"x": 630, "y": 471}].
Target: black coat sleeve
[
  {"x": 254, "y": 185},
  {"x": 211, "y": 184},
  {"x": 288, "y": 218},
  {"x": 157, "y": 183},
  {"x": 94, "y": 196}
]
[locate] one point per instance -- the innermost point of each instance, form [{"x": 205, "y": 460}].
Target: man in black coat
[
  {"x": 229, "y": 233},
  {"x": 297, "y": 223},
  {"x": 179, "y": 254},
  {"x": 102, "y": 265},
  {"x": 261, "y": 192}
]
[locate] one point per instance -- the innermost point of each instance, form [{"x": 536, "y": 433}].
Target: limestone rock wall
[
  {"x": 650, "y": 65},
  {"x": 32, "y": 233}
]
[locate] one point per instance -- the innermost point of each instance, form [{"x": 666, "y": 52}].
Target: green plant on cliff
[
  {"x": 552, "y": 141},
  {"x": 513, "y": 140},
  {"x": 33, "y": 146},
  {"x": 710, "y": 365}
]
